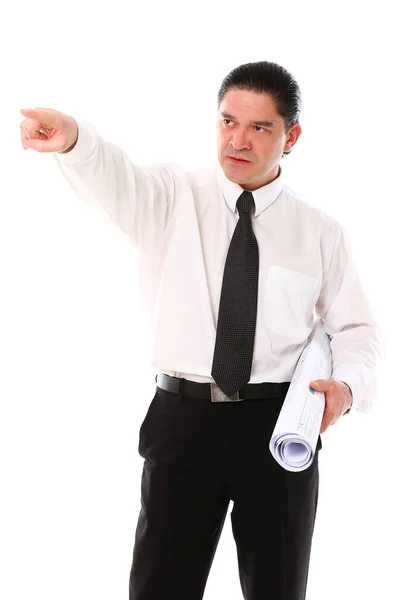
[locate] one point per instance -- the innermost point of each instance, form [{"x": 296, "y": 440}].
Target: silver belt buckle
[{"x": 217, "y": 395}]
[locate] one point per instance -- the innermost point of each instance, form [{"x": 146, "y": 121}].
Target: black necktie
[{"x": 233, "y": 353}]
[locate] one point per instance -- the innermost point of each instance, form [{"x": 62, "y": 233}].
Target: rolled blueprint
[{"x": 297, "y": 428}]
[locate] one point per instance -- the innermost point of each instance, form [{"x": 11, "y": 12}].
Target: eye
[{"x": 256, "y": 126}]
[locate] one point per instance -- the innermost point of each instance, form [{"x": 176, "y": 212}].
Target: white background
[{"x": 75, "y": 377}]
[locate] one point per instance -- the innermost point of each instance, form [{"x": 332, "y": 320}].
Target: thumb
[{"x": 317, "y": 385}]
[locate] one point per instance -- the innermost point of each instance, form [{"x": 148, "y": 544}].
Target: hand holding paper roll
[
  {"x": 338, "y": 400},
  {"x": 294, "y": 439}
]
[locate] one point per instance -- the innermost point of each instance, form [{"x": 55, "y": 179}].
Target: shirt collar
[{"x": 263, "y": 197}]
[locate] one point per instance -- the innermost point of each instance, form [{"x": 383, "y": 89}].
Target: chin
[
  {"x": 237, "y": 177},
  {"x": 234, "y": 172}
]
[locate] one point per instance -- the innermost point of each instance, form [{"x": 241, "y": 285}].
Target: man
[{"x": 235, "y": 268}]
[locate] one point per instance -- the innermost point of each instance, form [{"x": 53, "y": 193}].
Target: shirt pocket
[{"x": 289, "y": 300}]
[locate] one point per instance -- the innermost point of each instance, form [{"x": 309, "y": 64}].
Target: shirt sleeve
[
  {"x": 140, "y": 200},
  {"x": 357, "y": 341}
]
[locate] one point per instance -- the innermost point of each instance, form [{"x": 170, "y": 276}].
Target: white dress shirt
[{"x": 182, "y": 223}]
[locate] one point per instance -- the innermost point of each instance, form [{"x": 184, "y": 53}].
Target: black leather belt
[{"x": 210, "y": 391}]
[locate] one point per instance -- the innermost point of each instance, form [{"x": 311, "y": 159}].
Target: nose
[{"x": 239, "y": 142}]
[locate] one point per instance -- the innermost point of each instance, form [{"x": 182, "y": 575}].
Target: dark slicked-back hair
[{"x": 265, "y": 77}]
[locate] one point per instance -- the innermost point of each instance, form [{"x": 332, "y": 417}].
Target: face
[{"x": 250, "y": 128}]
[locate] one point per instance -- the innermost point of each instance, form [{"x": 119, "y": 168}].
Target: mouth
[{"x": 238, "y": 161}]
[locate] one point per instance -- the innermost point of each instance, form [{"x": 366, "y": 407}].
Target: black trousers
[{"x": 199, "y": 455}]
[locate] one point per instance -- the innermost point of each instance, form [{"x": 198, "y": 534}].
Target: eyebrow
[{"x": 260, "y": 123}]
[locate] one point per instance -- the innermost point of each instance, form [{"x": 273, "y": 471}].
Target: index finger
[{"x": 45, "y": 116}]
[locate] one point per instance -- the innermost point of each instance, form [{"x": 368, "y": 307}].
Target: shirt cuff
[
  {"x": 88, "y": 138},
  {"x": 356, "y": 378}
]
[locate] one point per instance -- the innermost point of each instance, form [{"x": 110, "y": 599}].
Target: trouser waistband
[{"x": 210, "y": 391}]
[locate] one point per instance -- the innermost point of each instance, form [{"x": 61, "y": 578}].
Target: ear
[{"x": 292, "y": 136}]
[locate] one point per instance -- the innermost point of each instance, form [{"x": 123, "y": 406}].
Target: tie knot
[{"x": 245, "y": 202}]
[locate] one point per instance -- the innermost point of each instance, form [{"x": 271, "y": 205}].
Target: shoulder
[
  {"x": 307, "y": 208},
  {"x": 193, "y": 178},
  {"x": 203, "y": 176}
]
